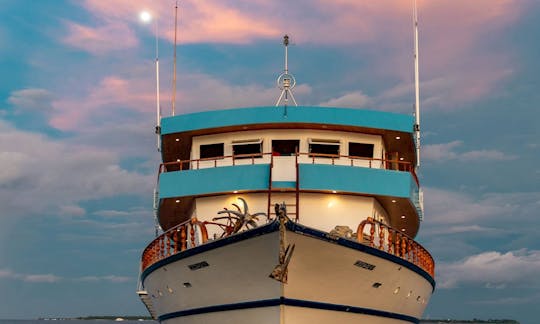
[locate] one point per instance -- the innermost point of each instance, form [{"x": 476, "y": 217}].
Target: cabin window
[
  {"x": 247, "y": 149},
  {"x": 285, "y": 147},
  {"x": 209, "y": 151},
  {"x": 323, "y": 148},
  {"x": 361, "y": 150}
]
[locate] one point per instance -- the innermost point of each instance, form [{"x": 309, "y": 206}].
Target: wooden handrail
[
  {"x": 393, "y": 241},
  {"x": 176, "y": 239}
]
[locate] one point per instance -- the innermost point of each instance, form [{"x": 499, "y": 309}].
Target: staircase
[
  {"x": 284, "y": 187},
  {"x": 147, "y": 301}
]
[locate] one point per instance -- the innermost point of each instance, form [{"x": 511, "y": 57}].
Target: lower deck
[{"x": 328, "y": 279}]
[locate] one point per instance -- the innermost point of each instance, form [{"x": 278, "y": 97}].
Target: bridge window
[
  {"x": 247, "y": 149},
  {"x": 361, "y": 150},
  {"x": 323, "y": 148},
  {"x": 285, "y": 147},
  {"x": 211, "y": 151}
]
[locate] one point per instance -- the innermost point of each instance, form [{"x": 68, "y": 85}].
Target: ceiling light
[
  {"x": 401, "y": 159},
  {"x": 177, "y": 201},
  {"x": 236, "y": 191},
  {"x": 398, "y": 137},
  {"x": 178, "y": 140},
  {"x": 333, "y": 191},
  {"x": 394, "y": 201},
  {"x": 403, "y": 230},
  {"x": 402, "y": 216}
]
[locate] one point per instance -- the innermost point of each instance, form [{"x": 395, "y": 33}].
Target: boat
[{"x": 287, "y": 214}]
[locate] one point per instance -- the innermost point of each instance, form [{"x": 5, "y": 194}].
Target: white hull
[{"x": 324, "y": 284}]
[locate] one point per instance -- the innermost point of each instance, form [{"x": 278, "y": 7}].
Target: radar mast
[{"x": 286, "y": 81}]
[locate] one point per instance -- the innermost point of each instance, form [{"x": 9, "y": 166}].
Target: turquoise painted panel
[
  {"x": 355, "y": 179},
  {"x": 301, "y": 114},
  {"x": 212, "y": 180},
  {"x": 284, "y": 184}
]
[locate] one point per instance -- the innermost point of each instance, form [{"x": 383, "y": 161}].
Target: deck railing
[
  {"x": 193, "y": 233},
  {"x": 177, "y": 239},
  {"x": 393, "y": 241},
  {"x": 314, "y": 158}
]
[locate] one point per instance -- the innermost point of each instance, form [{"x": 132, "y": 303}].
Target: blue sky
[{"x": 78, "y": 157}]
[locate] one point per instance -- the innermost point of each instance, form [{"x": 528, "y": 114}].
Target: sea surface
[{"x": 60, "y": 321}]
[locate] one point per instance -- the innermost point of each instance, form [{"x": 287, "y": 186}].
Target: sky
[{"x": 78, "y": 157}]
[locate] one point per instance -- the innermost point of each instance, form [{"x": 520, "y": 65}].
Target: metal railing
[
  {"x": 193, "y": 233},
  {"x": 314, "y": 158},
  {"x": 393, "y": 241}
]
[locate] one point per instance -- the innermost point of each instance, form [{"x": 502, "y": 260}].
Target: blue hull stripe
[
  {"x": 274, "y": 226},
  {"x": 289, "y": 302}
]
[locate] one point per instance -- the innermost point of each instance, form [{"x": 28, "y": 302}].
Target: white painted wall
[
  {"x": 290, "y": 134},
  {"x": 320, "y": 211}
]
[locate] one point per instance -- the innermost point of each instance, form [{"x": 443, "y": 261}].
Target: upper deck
[
  {"x": 307, "y": 150},
  {"x": 395, "y": 129}
]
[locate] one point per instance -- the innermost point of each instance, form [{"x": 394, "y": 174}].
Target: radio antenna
[
  {"x": 286, "y": 81},
  {"x": 416, "y": 87},
  {"x": 174, "y": 65}
]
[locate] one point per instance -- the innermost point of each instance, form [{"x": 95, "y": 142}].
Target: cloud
[
  {"x": 51, "y": 278},
  {"x": 355, "y": 99},
  {"x": 110, "y": 278},
  {"x": 450, "y": 230},
  {"x": 109, "y": 36},
  {"x": 33, "y": 100},
  {"x": 112, "y": 213},
  {"x": 448, "y": 152},
  {"x": 464, "y": 208},
  {"x": 55, "y": 175},
  {"x": 72, "y": 210},
  {"x": 30, "y": 278},
  {"x": 492, "y": 270}
]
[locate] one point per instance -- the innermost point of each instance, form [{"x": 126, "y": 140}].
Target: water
[{"x": 72, "y": 322}]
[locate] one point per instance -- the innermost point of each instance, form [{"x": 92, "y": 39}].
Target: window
[
  {"x": 247, "y": 149},
  {"x": 285, "y": 147},
  {"x": 361, "y": 150},
  {"x": 324, "y": 148},
  {"x": 211, "y": 151}
]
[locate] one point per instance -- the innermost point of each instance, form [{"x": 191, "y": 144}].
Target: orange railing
[
  {"x": 176, "y": 239},
  {"x": 393, "y": 241},
  {"x": 195, "y": 164}
]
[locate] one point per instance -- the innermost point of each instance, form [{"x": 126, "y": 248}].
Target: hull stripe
[{"x": 288, "y": 302}]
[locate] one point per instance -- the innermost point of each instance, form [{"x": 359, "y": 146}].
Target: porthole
[
  {"x": 418, "y": 298},
  {"x": 409, "y": 294},
  {"x": 376, "y": 284},
  {"x": 187, "y": 284},
  {"x": 160, "y": 293},
  {"x": 396, "y": 290},
  {"x": 169, "y": 289}
]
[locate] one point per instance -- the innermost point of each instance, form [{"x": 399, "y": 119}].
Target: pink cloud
[
  {"x": 105, "y": 98},
  {"x": 109, "y": 36}
]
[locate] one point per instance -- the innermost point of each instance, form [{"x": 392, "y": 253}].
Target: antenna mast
[
  {"x": 174, "y": 69},
  {"x": 158, "y": 108},
  {"x": 416, "y": 87},
  {"x": 286, "y": 81}
]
